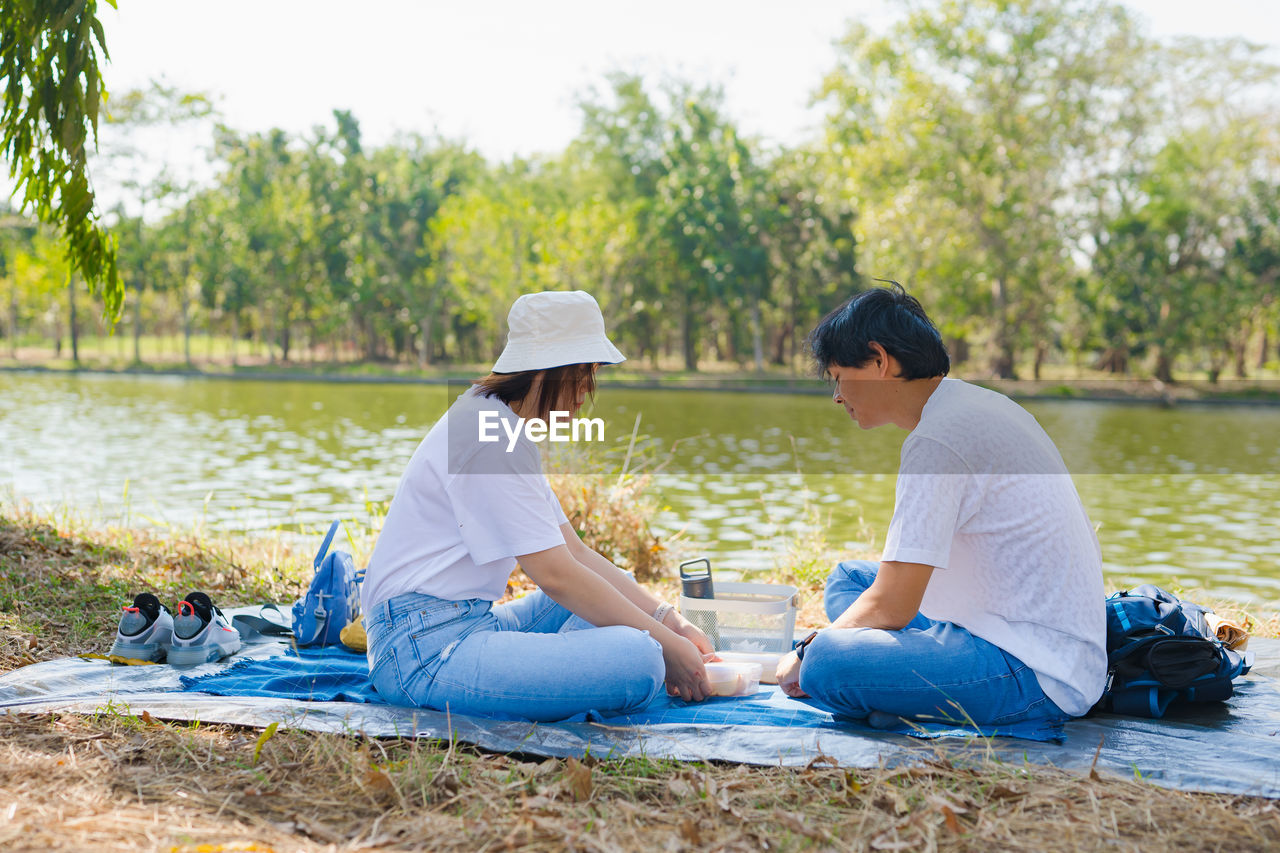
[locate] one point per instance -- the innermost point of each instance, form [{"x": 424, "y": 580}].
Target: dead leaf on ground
[
  {"x": 577, "y": 777},
  {"x": 377, "y": 780},
  {"x": 680, "y": 789},
  {"x": 1000, "y": 792}
]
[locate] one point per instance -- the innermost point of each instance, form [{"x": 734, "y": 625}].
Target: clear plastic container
[
  {"x": 733, "y": 679},
  {"x": 768, "y": 663}
]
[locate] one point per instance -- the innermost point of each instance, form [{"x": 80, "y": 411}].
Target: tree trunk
[
  {"x": 1042, "y": 350},
  {"x": 186, "y": 323},
  {"x": 75, "y": 333},
  {"x": 1113, "y": 360},
  {"x": 1262, "y": 353},
  {"x": 269, "y": 335},
  {"x": 13, "y": 324},
  {"x": 687, "y": 335},
  {"x": 235, "y": 336},
  {"x": 1164, "y": 366},
  {"x": 1002, "y": 361},
  {"x": 424, "y": 342},
  {"x": 780, "y": 344},
  {"x": 1242, "y": 371},
  {"x": 137, "y": 324},
  {"x": 757, "y": 337},
  {"x": 959, "y": 350}
]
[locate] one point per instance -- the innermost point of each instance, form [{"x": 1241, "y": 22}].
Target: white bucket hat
[{"x": 555, "y": 328}]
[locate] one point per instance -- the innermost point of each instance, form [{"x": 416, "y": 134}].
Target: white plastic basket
[{"x": 746, "y": 617}]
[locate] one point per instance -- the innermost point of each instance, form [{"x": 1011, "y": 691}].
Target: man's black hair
[{"x": 888, "y": 316}]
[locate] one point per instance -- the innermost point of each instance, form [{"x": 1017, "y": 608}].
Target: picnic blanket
[
  {"x": 335, "y": 674},
  {"x": 1231, "y": 748}
]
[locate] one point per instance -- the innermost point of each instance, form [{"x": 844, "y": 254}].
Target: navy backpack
[
  {"x": 332, "y": 601},
  {"x": 1161, "y": 651}
]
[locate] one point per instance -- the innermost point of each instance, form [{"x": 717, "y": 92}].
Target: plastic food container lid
[
  {"x": 733, "y": 679},
  {"x": 768, "y": 662}
]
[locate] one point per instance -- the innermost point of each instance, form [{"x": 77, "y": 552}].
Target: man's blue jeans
[
  {"x": 931, "y": 671},
  {"x": 528, "y": 659}
]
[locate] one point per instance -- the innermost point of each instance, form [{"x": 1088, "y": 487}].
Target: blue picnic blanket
[
  {"x": 1235, "y": 742},
  {"x": 336, "y": 674}
]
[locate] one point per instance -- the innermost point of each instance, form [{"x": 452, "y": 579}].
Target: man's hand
[
  {"x": 789, "y": 676},
  {"x": 682, "y": 626}
]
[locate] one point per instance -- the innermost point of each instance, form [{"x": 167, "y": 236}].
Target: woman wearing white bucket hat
[{"x": 468, "y": 509}]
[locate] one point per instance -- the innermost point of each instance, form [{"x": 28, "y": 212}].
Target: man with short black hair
[{"x": 986, "y": 607}]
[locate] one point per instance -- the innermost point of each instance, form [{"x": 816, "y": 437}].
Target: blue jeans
[
  {"x": 932, "y": 671},
  {"x": 530, "y": 659}
]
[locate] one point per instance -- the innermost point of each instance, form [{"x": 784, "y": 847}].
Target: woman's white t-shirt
[
  {"x": 464, "y": 510},
  {"x": 984, "y": 496}
]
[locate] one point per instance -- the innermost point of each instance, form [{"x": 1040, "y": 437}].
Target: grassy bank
[
  {"x": 115, "y": 781},
  {"x": 1059, "y": 382}
]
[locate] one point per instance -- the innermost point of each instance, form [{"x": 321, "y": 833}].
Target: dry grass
[
  {"x": 62, "y": 582},
  {"x": 119, "y": 782},
  {"x": 612, "y": 517}
]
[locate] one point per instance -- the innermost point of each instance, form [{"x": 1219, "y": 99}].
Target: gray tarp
[{"x": 1230, "y": 748}]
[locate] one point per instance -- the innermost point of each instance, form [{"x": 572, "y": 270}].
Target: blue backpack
[
  {"x": 1161, "y": 651},
  {"x": 333, "y": 599}
]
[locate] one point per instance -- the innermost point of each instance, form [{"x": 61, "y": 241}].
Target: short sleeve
[
  {"x": 556, "y": 508},
  {"x": 503, "y": 512},
  {"x": 928, "y": 504}
]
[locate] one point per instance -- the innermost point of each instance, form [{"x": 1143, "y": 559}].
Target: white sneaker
[
  {"x": 201, "y": 633},
  {"x": 145, "y": 630}
]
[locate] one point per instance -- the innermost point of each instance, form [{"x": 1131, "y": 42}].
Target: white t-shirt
[
  {"x": 984, "y": 496},
  {"x": 463, "y": 512}
]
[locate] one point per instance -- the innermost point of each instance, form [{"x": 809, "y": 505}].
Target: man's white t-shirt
[
  {"x": 984, "y": 496},
  {"x": 464, "y": 510}
]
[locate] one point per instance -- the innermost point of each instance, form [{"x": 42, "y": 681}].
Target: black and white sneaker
[
  {"x": 201, "y": 633},
  {"x": 145, "y": 631}
]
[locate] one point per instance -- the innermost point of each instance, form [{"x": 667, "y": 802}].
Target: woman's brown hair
[{"x": 559, "y": 384}]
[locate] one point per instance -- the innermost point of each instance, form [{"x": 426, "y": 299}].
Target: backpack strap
[
  {"x": 322, "y": 621},
  {"x": 324, "y": 546},
  {"x": 1118, "y": 607},
  {"x": 249, "y": 625}
]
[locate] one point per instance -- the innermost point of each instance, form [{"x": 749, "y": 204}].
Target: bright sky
[{"x": 503, "y": 74}]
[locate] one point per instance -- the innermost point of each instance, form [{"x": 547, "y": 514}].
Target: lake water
[{"x": 1188, "y": 494}]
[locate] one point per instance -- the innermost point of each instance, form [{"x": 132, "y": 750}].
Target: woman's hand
[
  {"x": 686, "y": 675},
  {"x": 789, "y": 676},
  {"x": 682, "y": 626}
]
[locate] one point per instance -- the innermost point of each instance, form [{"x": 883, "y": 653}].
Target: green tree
[
  {"x": 1166, "y": 215},
  {"x": 961, "y": 133},
  {"x": 809, "y": 235},
  {"x": 707, "y": 204},
  {"x": 622, "y": 144},
  {"x": 53, "y": 91}
]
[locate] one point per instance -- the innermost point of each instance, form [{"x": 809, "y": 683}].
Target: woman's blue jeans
[
  {"x": 933, "y": 671},
  {"x": 530, "y": 659}
]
